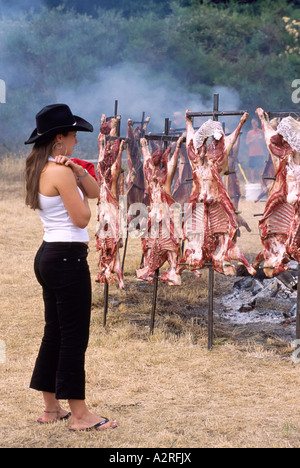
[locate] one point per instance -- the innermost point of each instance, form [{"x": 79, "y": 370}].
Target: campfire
[{"x": 261, "y": 299}]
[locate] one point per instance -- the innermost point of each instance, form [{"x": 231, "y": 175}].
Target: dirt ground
[{"x": 167, "y": 390}]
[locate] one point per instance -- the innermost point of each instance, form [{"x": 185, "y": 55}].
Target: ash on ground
[{"x": 263, "y": 300}]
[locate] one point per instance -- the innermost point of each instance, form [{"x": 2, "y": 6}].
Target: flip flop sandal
[
  {"x": 95, "y": 427},
  {"x": 63, "y": 418}
]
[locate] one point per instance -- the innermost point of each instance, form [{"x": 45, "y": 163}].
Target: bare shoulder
[
  {"x": 62, "y": 177},
  {"x": 61, "y": 172}
]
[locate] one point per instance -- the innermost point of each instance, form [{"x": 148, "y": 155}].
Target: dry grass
[{"x": 165, "y": 391}]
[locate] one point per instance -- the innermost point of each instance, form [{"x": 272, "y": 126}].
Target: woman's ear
[{"x": 58, "y": 138}]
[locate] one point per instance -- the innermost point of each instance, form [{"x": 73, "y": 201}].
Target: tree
[
  {"x": 128, "y": 8},
  {"x": 196, "y": 46}
]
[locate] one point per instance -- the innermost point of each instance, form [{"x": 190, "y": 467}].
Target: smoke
[
  {"x": 138, "y": 89},
  {"x": 13, "y": 8}
]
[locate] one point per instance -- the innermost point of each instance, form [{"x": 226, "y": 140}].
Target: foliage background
[{"x": 155, "y": 56}]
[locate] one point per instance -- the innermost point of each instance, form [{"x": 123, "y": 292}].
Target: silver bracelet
[{"x": 84, "y": 175}]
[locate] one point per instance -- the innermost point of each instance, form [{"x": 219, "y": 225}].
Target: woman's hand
[
  {"x": 88, "y": 184},
  {"x": 65, "y": 161}
]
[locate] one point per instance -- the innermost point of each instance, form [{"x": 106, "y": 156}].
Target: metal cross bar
[
  {"x": 107, "y": 119},
  {"x": 113, "y": 138},
  {"x": 282, "y": 114},
  {"x": 217, "y": 114},
  {"x": 177, "y": 130},
  {"x": 164, "y": 138}
]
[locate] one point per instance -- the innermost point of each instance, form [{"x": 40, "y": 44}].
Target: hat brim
[{"x": 80, "y": 125}]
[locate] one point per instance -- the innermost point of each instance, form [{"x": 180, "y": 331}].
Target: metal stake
[
  {"x": 211, "y": 277},
  {"x": 298, "y": 307},
  {"x": 125, "y": 250},
  {"x": 106, "y": 288},
  {"x": 152, "y": 321},
  {"x": 210, "y": 307}
]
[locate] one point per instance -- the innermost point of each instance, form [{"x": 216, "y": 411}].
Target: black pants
[{"x": 63, "y": 272}]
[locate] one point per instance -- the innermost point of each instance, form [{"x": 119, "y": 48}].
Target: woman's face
[{"x": 65, "y": 144}]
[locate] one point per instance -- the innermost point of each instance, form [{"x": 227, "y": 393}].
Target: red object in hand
[{"x": 86, "y": 165}]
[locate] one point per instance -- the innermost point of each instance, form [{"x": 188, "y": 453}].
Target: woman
[{"x": 59, "y": 189}]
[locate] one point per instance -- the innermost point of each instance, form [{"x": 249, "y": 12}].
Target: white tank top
[{"x": 57, "y": 223}]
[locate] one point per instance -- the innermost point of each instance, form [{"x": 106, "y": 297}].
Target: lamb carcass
[
  {"x": 280, "y": 226},
  {"x": 108, "y": 239},
  {"x": 232, "y": 182},
  {"x": 183, "y": 185},
  {"x": 162, "y": 240},
  {"x": 135, "y": 181},
  {"x": 210, "y": 222},
  {"x": 268, "y": 173}
]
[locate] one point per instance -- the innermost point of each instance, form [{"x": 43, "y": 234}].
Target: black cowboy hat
[{"x": 55, "y": 119}]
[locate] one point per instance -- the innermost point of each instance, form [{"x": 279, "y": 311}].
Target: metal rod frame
[
  {"x": 165, "y": 138},
  {"x": 106, "y": 285},
  {"x": 272, "y": 115}
]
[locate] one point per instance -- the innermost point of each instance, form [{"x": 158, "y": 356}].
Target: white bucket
[{"x": 253, "y": 191}]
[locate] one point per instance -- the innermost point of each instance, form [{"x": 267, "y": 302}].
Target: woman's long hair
[{"x": 35, "y": 164}]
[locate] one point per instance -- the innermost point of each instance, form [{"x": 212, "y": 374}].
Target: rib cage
[
  {"x": 218, "y": 222},
  {"x": 279, "y": 222}
]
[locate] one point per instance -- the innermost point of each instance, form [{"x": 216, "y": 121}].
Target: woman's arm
[
  {"x": 66, "y": 186},
  {"x": 84, "y": 180}
]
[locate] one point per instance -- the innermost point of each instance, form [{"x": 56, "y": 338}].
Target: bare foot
[
  {"x": 52, "y": 416},
  {"x": 92, "y": 422}
]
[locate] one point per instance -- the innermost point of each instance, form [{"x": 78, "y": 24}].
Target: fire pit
[{"x": 261, "y": 299}]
